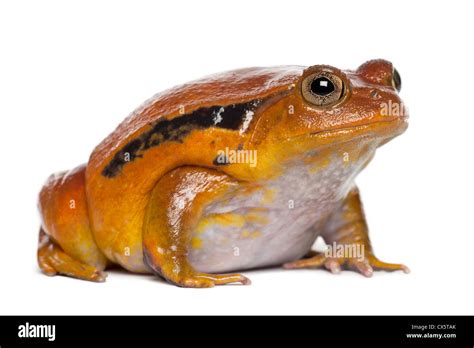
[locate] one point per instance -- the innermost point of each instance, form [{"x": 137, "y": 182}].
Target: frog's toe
[
  {"x": 98, "y": 276},
  {"x": 195, "y": 282},
  {"x": 205, "y": 280},
  {"x": 384, "y": 266},
  {"x": 316, "y": 261},
  {"x": 333, "y": 265},
  {"x": 361, "y": 266},
  {"x": 231, "y": 278}
]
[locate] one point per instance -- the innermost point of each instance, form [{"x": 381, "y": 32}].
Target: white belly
[{"x": 274, "y": 224}]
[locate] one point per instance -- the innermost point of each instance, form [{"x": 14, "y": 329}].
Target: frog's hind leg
[
  {"x": 66, "y": 242},
  {"x": 175, "y": 207},
  {"x": 53, "y": 260}
]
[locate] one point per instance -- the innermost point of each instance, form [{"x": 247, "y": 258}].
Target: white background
[{"x": 70, "y": 71}]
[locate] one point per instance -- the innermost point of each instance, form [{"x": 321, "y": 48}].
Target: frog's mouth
[
  {"x": 377, "y": 129},
  {"x": 381, "y": 131}
]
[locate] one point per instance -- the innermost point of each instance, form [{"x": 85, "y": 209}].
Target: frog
[{"x": 235, "y": 171}]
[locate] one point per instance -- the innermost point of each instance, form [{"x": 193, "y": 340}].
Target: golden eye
[{"x": 322, "y": 88}]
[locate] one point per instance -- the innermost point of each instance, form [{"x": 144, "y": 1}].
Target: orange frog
[{"x": 238, "y": 170}]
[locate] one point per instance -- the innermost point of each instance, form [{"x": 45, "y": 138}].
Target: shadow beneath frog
[{"x": 118, "y": 270}]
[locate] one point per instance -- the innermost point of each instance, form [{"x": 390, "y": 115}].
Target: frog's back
[
  {"x": 158, "y": 136},
  {"x": 231, "y": 87}
]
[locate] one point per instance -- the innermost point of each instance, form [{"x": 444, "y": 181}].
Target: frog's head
[{"x": 330, "y": 106}]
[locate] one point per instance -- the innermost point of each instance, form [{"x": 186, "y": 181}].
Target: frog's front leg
[
  {"x": 175, "y": 207},
  {"x": 347, "y": 234}
]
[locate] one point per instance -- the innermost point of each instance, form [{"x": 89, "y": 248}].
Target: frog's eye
[
  {"x": 396, "y": 80},
  {"x": 322, "y": 89}
]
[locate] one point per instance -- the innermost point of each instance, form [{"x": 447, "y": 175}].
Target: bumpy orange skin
[{"x": 111, "y": 211}]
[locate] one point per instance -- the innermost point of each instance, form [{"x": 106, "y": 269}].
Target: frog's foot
[
  {"x": 206, "y": 280},
  {"x": 53, "y": 260},
  {"x": 365, "y": 266},
  {"x": 378, "y": 265}
]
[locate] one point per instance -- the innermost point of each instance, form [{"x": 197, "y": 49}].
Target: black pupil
[{"x": 322, "y": 86}]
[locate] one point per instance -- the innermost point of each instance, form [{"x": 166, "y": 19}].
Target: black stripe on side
[{"x": 233, "y": 116}]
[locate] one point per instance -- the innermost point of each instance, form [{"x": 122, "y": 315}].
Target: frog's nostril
[
  {"x": 396, "y": 80},
  {"x": 375, "y": 94}
]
